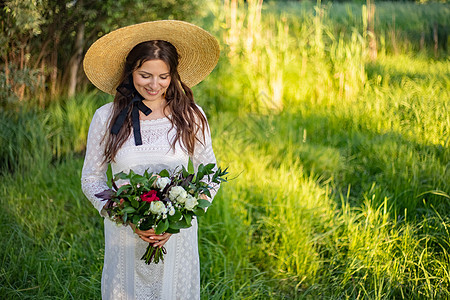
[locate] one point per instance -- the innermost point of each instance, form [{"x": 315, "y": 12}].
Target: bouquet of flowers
[{"x": 163, "y": 201}]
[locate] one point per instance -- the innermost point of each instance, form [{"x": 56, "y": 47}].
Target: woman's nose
[{"x": 153, "y": 82}]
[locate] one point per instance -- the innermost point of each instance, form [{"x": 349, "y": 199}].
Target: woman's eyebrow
[{"x": 142, "y": 71}]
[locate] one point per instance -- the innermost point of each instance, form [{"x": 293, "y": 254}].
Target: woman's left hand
[
  {"x": 157, "y": 240},
  {"x": 161, "y": 239}
]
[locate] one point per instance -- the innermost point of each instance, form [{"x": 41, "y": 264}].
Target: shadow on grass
[
  {"x": 396, "y": 191},
  {"x": 352, "y": 158},
  {"x": 52, "y": 238}
]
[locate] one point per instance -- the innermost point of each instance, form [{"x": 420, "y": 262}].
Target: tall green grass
[
  {"x": 33, "y": 138},
  {"x": 404, "y": 28},
  {"x": 304, "y": 219},
  {"x": 340, "y": 169},
  {"x": 52, "y": 245},
  {"x": 344, "y": 190}
]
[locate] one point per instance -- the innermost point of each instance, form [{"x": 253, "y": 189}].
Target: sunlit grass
[
  {"x": 52, "y": 245},
  {"x": 305, "y": 215}
]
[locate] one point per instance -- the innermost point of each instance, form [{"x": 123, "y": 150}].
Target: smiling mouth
[{"x": 151, "y": 92}]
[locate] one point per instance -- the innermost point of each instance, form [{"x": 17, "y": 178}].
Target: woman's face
[{"x": 152, "y": 79}]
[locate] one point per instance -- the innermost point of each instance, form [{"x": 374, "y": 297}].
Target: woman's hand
[{"x": 149, "y": 236}]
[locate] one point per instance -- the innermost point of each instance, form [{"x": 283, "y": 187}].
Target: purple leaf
[{"x": 106, "y": 194}]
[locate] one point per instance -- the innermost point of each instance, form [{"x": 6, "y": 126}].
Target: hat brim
[{"x": 198, "y": 52}]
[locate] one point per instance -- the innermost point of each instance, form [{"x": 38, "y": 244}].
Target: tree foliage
[{"x": 43, "y": 41}]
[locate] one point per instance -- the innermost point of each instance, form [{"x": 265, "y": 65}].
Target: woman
[{"x": 153, "y": 124}]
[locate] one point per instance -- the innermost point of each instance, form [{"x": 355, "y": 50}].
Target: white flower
[
  {"x": 171, "y": 211},
  {"x": 177, "y": 192},
  {"x": 157, "y": 207},
  {"x": 161, "y": 182},
  {"x": 191, "y": 202},
  {"x": 182, "y": 198}
]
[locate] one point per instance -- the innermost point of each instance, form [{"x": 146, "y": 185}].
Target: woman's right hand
[{"x": 149, "y": 236}]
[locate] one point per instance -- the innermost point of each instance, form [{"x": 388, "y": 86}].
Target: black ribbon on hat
[{"x": 129, "y": 91}]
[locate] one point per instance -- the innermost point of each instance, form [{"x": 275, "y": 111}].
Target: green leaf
[
  {"x": 199, "y": 177},
  {"x": 184, "y": 173},
  {"x": 146, "y": 224},
  {"x": 129, "y": 210},
  {"x": 199, "y": 212},
  {"x": 218, "y": 176},
  {"x": 178, "y": 225},
  {"x": 202, "y": 203},
  {"x": 164, "y": 173},
  {"x": 172, "y": 231},
  {"x": 136, "y": 178},
  {"x": 144, "y": 206},
  {"x": 191, "y": 167},
  {"x": 125, "y": 217},
  {"x": 188, "y": 219},
  {"x": 135, "y": 219},
  {"x": 122, "y": 189},
  {"x": 209, "y": 168},
  {"x": 200, "y": 173},
  {"x": 134, "y": 202},
  {"x": 176, "y": 216},
  {"x": 162, "y": 226},
  {"x": 120, "y": 175}
]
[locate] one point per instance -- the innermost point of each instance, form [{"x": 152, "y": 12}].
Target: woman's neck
[{"x": 158, "y": 107}]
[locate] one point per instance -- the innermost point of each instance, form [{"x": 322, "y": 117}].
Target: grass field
[{"x": 340, "y": 166}]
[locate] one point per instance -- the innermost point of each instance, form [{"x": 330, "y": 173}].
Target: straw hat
[{"x": 197, "y": 49}]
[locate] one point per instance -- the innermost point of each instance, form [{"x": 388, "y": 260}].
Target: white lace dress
[{"x": 125, "y": 275}]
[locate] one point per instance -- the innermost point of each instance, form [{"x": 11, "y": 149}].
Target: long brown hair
[{"x": 186, "y": 117}]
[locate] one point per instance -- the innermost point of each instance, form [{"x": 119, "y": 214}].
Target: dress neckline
[{"x": 159, "y": 120}]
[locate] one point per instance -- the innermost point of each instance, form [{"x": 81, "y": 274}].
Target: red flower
[{"x": 149, "y": 196}]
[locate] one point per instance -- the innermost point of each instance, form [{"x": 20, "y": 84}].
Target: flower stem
[{"x": 153, "y": 254}]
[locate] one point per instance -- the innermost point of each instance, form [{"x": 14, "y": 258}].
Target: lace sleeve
[
  {"x": 204, "y": 154},
  {"x": 93, "y": 175}
]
